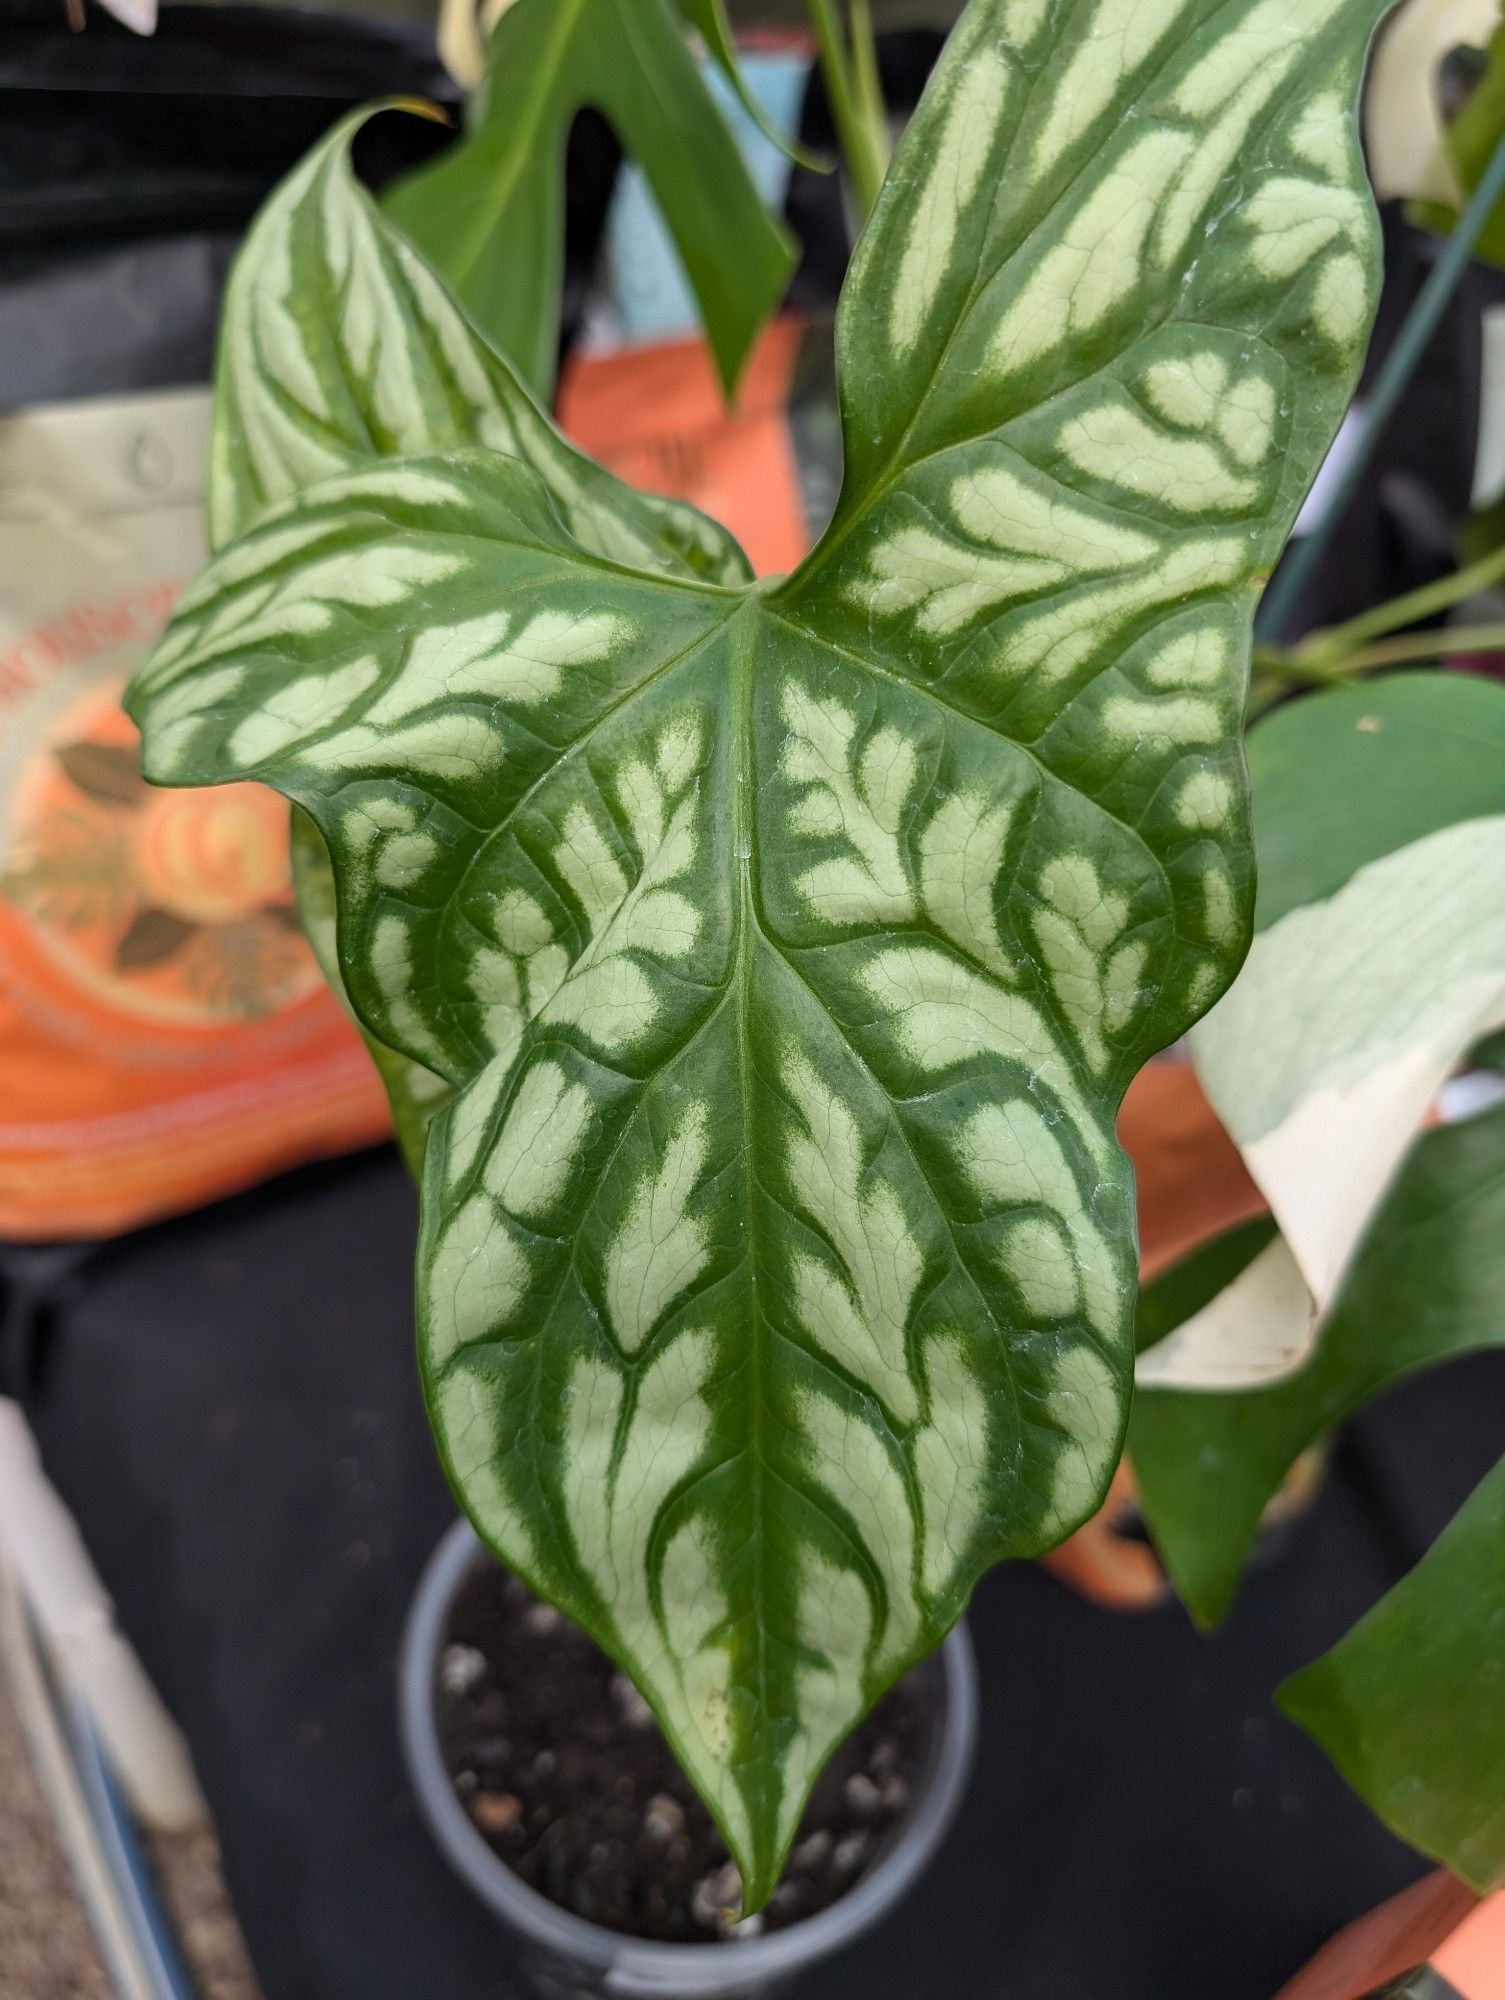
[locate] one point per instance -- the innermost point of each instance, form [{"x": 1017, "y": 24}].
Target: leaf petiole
[
  {"x": 857, "y": 109},
  {"x": 1338, "y": 641}
]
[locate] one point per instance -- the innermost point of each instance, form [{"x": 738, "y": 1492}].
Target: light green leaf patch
[
  {"x": 790, "y": 948},
  {"x": 1379, "y": 957}
]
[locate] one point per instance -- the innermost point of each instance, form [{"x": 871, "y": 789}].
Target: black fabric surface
[
  {"x": 230, "y": 1404},
  {"x": 110, "y": 138}
]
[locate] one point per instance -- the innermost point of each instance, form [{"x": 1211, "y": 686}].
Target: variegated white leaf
[{"x": 1378, "y": 960}]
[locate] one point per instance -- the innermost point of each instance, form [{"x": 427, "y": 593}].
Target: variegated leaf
[
  {"x": 1378, "y": 959},
  {"x": 338, "y": 345},
  {"x": 790, "y": 947},
  {"x": 390, "y": 366}
]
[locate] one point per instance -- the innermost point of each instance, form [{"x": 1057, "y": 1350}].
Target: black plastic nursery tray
[{"x": 229, "y": 1402}]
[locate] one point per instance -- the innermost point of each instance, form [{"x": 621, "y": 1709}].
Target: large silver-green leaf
[
  {"x": 339, "y": 346},
  {"x": 490, "y": 211},
  {"x": 790, "y": 947}
]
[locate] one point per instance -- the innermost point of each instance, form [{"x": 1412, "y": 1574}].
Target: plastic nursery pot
[{"x": 567, "y": 1958}]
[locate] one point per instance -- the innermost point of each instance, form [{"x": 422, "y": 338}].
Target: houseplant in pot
[{"x": 779, "y": 952}]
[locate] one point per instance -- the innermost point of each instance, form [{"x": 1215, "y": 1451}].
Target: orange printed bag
[{"x": 165, "y": 1035}]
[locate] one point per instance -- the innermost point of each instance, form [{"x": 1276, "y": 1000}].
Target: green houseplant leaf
[
  {"x": 490, "y": 212},
  {"x": 339, "y": 345},
  {"x": 790, "y": 947},
  {"x": 1410, "y": 1705},
  {"x": 1425, "y": 1286}
]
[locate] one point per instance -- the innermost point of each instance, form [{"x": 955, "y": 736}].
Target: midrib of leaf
[
  {"x": 333, "y": 382},
  {"x": 334, "y": 306},
  {"x": 963, "y": 1263},
  {"x": 899, "y": 460},
  {"x": 752, "y": 925},
  {"x": 740, "y": 631},
  {"x": 278, "y": 391},
  {"x": 541, "y": 109},
  {"x": 743, "y": 654}
]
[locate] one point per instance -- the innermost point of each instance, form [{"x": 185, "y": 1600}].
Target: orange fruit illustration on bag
[{"x": 175, "y": 906}]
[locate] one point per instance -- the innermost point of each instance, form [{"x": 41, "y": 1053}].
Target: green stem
[
  {"x": 1442, "y": 645},
  {"x": 1411, "y": 609},
  {"x": 1295, "y": 670},
  {"x": 1284, "y": 594},
  {"x": 869, "y": 86},
  {"x": 1325, "y": 669},
  {"x": 862, "y": 146},
  {"x": 1274, "y": 675}
]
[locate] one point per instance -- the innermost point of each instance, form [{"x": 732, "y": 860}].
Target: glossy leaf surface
[
  {"x": 790, "y": 948},
  {"x": 1408, "y": 1705},
  {"x": 339, "y": 345},
  {"x": 1425, "y": 1286},
  {"x": 489, "y": 213}
]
